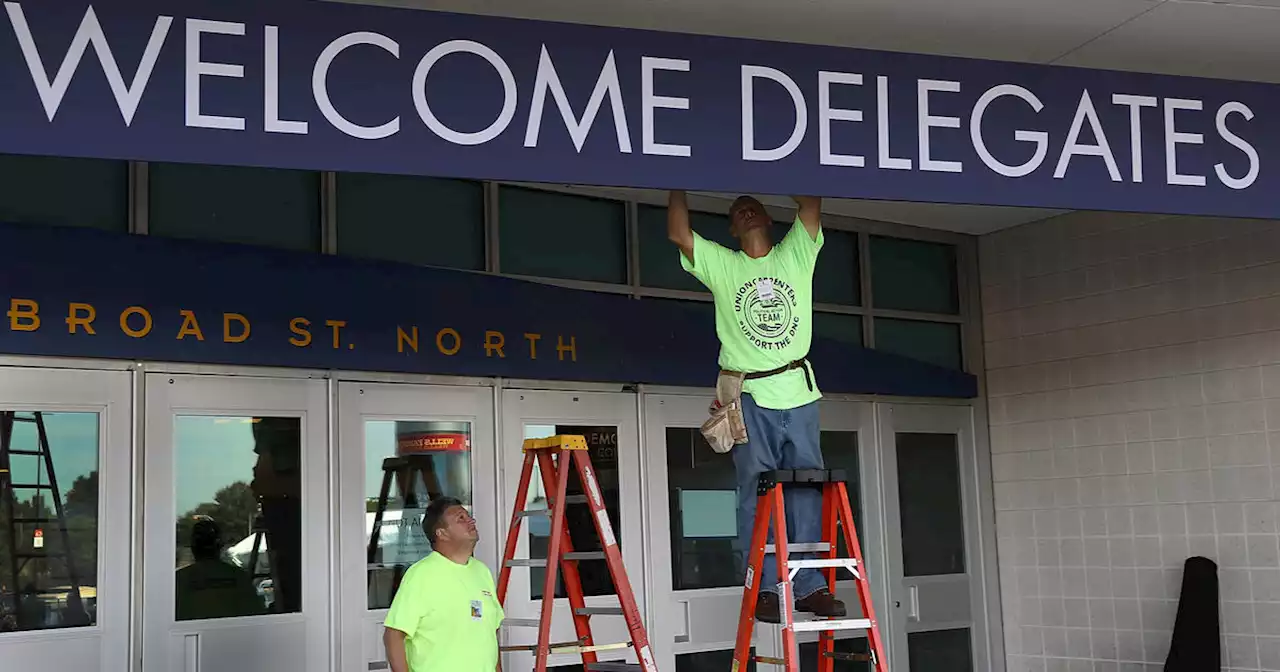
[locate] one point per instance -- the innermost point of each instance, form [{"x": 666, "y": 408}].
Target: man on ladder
[{"x": 764, "y": 319}]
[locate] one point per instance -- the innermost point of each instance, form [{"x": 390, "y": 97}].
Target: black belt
[{"x": 798, "y": 364}]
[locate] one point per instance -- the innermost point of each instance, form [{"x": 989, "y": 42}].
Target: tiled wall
[{"x": 1134, "y": 374}]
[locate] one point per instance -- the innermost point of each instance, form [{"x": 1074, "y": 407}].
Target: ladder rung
[
  {"x": 612, "y": 667},
  {"x": 34, "y": 520},
  {"x": 848, "y": 563},
  {"x": 569, "y": 499},
  {"x": 16, "y": 451},
  {"x": 832, "y": 624},
  {"x": 542, "y": 562},
  {"x": 17, "y": 418},
  {"x": 815, "y": 547},
  {"x": 31, "y": 486},
  {"x": 598, "y": 611},
  {"x": 521, "y": 622}
]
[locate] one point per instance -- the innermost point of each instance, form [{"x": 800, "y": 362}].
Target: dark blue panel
[
  {"x": 356, "y": 310},
  {"x": 1204, "y": 146}
]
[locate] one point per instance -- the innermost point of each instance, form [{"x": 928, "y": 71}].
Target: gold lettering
[
  {"x": 533, "y": 344},
  {"x": 23, "y": 309},
  {"x": 402, "y": 339},
  {"x": 190, "y": 326},
  {"x": 227, "y": 319},
  {"x": 75, "y": 319},
  {"x": 493, "y": 341},
  {"x": 298, "y": 325},
  {"x": 146, "y": 321},
  {"x": 571, "y": 348},
  {"x": 337, "y": 326},
  {"x": 457, "y": 341}
]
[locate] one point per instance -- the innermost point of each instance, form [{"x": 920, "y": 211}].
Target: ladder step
[
  {"x": 16, "y": 451},
  {"x": 612, "y": 667},
  {"x": 599, "y": 611},
  {"x": 848, "y": 563},
  {"x": 521, "y": 622},
  {"x": 542, "y": 562},
  {"x": 35, "y": 520},
  {"x": 815, "y": 547},
  {"x": 569, "y": 499},
  {"x": 31, "y": 486},
  {"x": 832, "y": 624}
]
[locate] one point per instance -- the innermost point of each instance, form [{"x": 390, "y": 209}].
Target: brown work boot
[
  {"x": 767, "y": 610},
  {"x": 821, "y": 603}
]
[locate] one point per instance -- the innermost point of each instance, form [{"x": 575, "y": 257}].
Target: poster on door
[{"x": 402, "y": 539}]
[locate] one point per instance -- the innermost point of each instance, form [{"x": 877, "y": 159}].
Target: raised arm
[
  {"x": 809, "y": 210},
  {"x": 678, "y": 229}
]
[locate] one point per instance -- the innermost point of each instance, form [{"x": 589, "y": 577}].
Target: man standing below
[
  {"x": 445, "y": 615},
  {"x": 764, "y": 319}
]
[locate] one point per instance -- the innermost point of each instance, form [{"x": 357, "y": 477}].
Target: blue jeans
[{"x": 780, "y": 440}]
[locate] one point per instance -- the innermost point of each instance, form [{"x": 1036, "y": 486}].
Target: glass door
[
  {"x": 610, "y": 424},
  {"x": 400, "y": 446},
  {"x": 65, "y": 552},
  {"x": 934, "y": 554},
  {"x": 236, "y": 560},
  {"x": 692, "y": 515}
]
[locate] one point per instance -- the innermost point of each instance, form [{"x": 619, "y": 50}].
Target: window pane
[
  {"x": 930, "y": 505},
  {"x": 237, "y": 483},
  {"x": 553, "y": 235},
  {"x": 702, "y": 499},
  {"x": 253, "y": 206},
  {"x": 933, "y": 342},
  {"x": 602, "y": 448},
  {"x": 940, "y": 650},
  {"x": 64, "y": 192},
  {"x": 914, "y": 275},
  {"x": 836, "y": 278},
  {"x": 415, "y": 220},
  {"x": 838, "y": 327},
  {"x": 408, "y": 463},
  {"x": 660, "y": 258},
  {"x": 49, "y": 571}
]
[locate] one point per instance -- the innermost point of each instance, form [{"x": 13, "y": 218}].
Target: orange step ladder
[
  {"x": 836, "y": 512},
  {"x": 554, "y": 457}
]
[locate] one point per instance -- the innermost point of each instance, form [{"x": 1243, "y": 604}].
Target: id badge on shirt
[
  {"x": 477, "y": 610},
  {"x": 764, "y": 288}
]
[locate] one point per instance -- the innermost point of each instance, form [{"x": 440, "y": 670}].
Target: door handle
[{"x": 913, "y": 597}]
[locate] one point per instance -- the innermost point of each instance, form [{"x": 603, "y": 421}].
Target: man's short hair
[{"x": 433, "y": 521}]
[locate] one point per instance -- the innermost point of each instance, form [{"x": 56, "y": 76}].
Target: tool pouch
[{"x": 726, "y": 427}]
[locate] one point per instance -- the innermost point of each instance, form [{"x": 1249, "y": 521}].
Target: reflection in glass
[
  {"x": 238, "y": 486},
  {"x": 931, "y": 508},
  {"x": 702, "y": 496},
  {"x": 48, "y": 520},
  {"x": 602, "y": 448},
  {"x": 408, "y": 463}
]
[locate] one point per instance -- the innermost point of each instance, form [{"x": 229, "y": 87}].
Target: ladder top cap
[
  {"x": 770, "y": 478},
  {"x": 557, "y": 442}
]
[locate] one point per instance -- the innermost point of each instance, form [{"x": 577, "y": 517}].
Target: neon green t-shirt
[
  {"x": 764, "y": 311},
  {"x": 451, "y": 615}
]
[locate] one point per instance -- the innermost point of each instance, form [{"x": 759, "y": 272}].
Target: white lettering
[
  {"x": 508, "y": 89},
  {"x": 1072, "y": 147},
  {"x": 1040, "y": 138},
  {"x": 749, "y": 151},
  {"x": 649, "y": 102},
  {"x": 882, "y": 128},
  {"x": 1239, "y": 143},
  {"x": 90, "y": 32},
  {"x": 1172, "y": 138},
  {"x": 606, "y": 84},
  {"x": 271, "y": 114},
  {"x": 320, "y": 85},
  {"x": 1135, "y": 103},
  {"x": 927, "y": 121},
  {"x": 197, "y": 68},
  {"x": 826, "y": 115}
]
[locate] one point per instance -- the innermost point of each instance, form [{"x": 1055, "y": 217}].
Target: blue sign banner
[
  {"x": 84, "y": 293},
  {"x": 335, "y": 86}
]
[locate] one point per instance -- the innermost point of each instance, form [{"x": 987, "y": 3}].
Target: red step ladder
[
  {"x": 555, "y": 456},
  {"x": 835, "y": 512}
]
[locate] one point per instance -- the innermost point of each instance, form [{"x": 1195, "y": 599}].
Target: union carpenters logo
[{"x": 766, "y": 312}]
